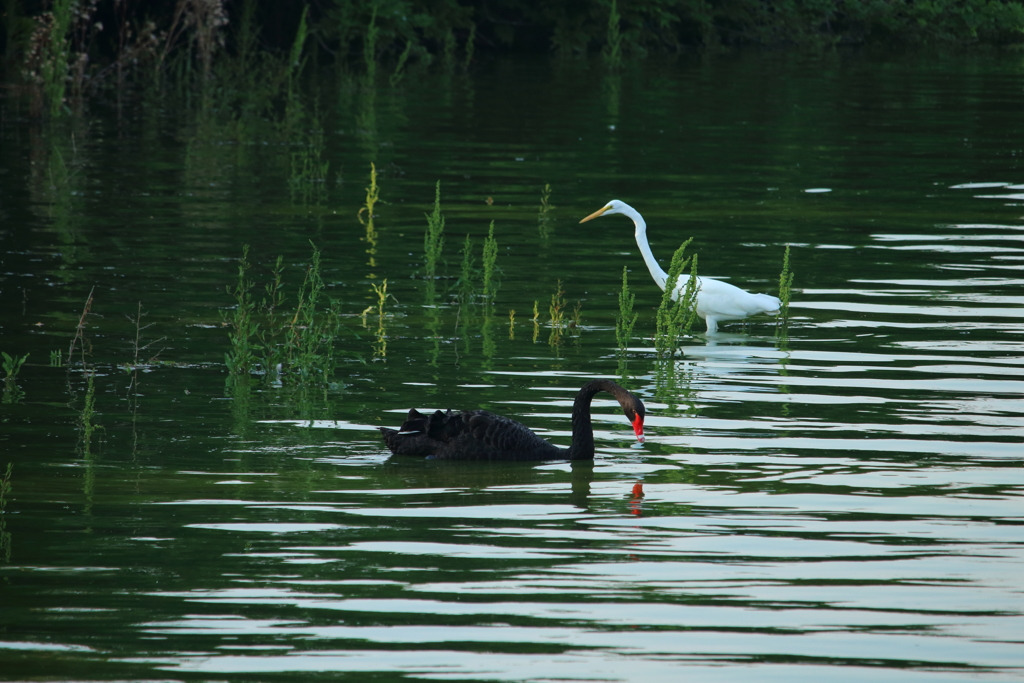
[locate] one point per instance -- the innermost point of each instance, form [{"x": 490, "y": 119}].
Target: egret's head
[{"x": 614, "y": 206}]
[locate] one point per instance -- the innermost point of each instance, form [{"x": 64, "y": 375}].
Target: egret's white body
[{"x": 717, "y": 301}]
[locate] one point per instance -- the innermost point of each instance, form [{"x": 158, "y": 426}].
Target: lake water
[{"x": 839, "y": 502}]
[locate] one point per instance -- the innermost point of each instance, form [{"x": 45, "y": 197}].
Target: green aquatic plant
[
  {"x": 396, "y": 76},
  {"x": 309, "y": 168},
  {"x": 785, "y": 290},
  {"x": 556, "y": 311},
  {"x": 536, "y": 321},
  {"x": 53, "y": 69},
  {"x": 466, "y": 273},
  {"x": 242, "y": 325},
  {"x": 613, "y": 40},
  {"x": 545, "y": 208},
  {"x": 675, "y": 317},
  {"x": 5, "y": 535},
  {"x": 625, "y": 321},
  {"x": 433, "y": 238},
  {"x": 470, "y": 46},
  {"x": 490, "y": 258},
  {"x": 292, "y": 346},
  {"x": 370, "y": 43},
  {"x": 511, "y": 323},
  {"x": 372, "y": 197},
  {"x": 56, "y": 358},
  {"x": 380, "y": 349},
  {"x": 12, "y": 365}
]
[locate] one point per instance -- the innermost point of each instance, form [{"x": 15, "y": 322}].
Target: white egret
[{"x": 717, "y": 301}]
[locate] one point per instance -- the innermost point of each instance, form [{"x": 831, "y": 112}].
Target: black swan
[
  {"x": 480, "y": 435},
  {"x": 717, "y": 301}
]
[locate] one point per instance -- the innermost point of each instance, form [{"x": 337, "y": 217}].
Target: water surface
[{"x": 841, "y": 501}]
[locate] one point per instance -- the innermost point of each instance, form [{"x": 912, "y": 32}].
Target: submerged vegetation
[{"x": 249, "y": 53}]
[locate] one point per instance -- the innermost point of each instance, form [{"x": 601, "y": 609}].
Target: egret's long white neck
[{"x": 659, "y": 275}]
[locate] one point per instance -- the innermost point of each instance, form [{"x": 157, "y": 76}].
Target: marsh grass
[
  {"x": 625, "y": 321},
  {"x": 511, "y": 323},
  {"x": 433, "y": 238},
  {"x": 785, "y": 291},
  {"x": 675, "y": 317},
  {"x": 536, "y": 321}
]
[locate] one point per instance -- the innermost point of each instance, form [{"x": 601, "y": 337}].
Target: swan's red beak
[{"x": 638, "y": 428}]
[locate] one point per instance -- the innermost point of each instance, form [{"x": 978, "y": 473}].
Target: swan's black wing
[
  {"x": 468, "y": 435},
  {"x": 481, "y": 435}
]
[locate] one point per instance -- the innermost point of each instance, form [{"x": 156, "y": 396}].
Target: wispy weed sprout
[
  {"x": 626, "y": 319},
  {"x": 433, "y": 238}
]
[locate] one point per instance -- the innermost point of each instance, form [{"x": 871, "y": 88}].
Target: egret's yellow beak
[{"x": 596, "y": 214}]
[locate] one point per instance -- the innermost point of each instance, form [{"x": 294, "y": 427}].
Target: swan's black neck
[{"x": 582, "y": 447}]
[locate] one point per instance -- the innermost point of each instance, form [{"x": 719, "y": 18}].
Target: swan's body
[
  {"x": 480, "y": 435},
  {"x": 717, "y": 301}
]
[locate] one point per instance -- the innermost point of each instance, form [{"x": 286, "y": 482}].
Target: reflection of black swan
[{"x": 480, "y": 435}]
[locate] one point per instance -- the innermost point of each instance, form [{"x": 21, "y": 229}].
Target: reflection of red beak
[
  {"x": 638, "y": 428},
  {"x": 638, "y": 490}
]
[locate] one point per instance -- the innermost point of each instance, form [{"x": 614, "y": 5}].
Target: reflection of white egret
[{"x": 717, "y": 301}]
